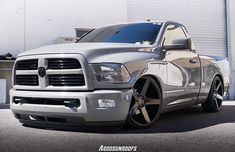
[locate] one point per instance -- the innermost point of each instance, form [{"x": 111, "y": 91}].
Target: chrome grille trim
[{"x": 67, "y": 71}]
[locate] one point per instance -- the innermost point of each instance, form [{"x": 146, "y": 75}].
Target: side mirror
[{"x": 178, "y": 44}]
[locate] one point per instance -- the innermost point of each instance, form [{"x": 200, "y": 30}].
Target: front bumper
[{"x": 88, "y": 113}]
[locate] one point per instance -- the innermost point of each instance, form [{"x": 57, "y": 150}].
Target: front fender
[{"x": 153, "y": 68}]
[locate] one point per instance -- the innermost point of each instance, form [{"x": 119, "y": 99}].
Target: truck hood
[{"x": 97, "y": 52}]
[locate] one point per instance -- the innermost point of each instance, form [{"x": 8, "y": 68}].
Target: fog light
[{"x": 106, "y": 103}]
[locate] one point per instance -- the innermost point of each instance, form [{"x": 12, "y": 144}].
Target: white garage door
[{"x": 204, "y": 19}]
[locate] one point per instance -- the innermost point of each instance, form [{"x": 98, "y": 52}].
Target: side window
[{"x": 173, "y": 32}]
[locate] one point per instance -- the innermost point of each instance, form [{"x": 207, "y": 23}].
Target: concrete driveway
[{"x": 185, "y": 130}]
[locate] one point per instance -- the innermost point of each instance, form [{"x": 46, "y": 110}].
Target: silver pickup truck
[{"x": 126, "y": 73}]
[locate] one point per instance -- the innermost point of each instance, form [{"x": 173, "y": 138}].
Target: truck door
[{"x": 183, "y": 68}]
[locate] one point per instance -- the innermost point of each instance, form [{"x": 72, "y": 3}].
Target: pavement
[{"x": 187, "y": 130}]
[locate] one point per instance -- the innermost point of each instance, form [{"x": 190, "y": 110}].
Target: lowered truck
[{"x": 126, "y": 73}]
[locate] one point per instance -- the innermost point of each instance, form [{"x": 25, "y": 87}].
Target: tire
[
  {"x": 215, "y": 96},
  {"x": 146, "y": 103}
]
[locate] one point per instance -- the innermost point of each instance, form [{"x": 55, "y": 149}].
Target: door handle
[{"x": 193, "y": 61}]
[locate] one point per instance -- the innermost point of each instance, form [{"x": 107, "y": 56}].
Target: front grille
[
  {"x": 60, "y": 72},
  {"x": 63, "y": 63},
  {"x": 31, "y": 64},
  {"x": 67, "y": 80},
  {"x": 28, "y": 80}
]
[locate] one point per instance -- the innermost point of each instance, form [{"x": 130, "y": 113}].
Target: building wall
[
  {"x": 11, "y": 26},
  {"x": 231, "y": 43},
  {"x": 50, "y": 19},
  {"x": 28, "y": 24}
]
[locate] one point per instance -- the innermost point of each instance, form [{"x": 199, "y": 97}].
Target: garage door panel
[{"x": 205, "y": 20}]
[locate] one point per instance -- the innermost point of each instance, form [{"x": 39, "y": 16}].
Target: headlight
[{"x": 110, "y": 73}]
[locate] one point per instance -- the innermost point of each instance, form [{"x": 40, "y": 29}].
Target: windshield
[{"x": 136, "y": 33}]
